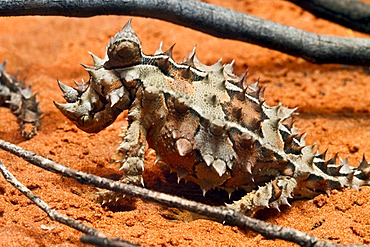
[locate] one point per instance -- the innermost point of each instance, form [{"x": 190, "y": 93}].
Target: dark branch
[
  {"x": 210, "y": 19},
  {"x": 349, "y": 13},
  {"x": 221, "y": 214}
]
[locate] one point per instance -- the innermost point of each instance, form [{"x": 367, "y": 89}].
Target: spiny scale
[
  {"x": 21, "y": 102},
  {"x": 206, "y": 123}
]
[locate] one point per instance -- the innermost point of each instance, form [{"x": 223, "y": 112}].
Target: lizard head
[
  {"x": 88, "y": 109},
  {"x": 94, "y": 105}
]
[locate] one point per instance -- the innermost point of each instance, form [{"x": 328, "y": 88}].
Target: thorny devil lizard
[{"x": 206, "y": 123}]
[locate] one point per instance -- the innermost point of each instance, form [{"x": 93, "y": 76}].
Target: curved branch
[
  {"x": 349, "y": 13},
  {"x": 213, "y": 20}
]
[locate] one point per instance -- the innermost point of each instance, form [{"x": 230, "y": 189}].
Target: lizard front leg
[
  {"x": 130, "y": 156},
  {"x": 134, "y": 145}
]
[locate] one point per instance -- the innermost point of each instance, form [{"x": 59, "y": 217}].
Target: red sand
[{"x": 333, "y": 105}]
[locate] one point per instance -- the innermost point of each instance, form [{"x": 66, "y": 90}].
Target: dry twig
[
  {"x": 52, "y": 213},
  {"x": 93, "y": 236},
  {"x": 221, "y": 214},
  {"x": 211, "y": 19}
]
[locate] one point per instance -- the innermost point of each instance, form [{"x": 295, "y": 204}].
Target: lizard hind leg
[{"x": 272, "y": 194}]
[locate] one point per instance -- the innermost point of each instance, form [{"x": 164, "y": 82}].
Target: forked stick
[{"x": 221, "y": 214}]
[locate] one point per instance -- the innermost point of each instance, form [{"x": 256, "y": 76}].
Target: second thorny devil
[
  {"x": 21, "y": 101},
  {"x": 206, "y": 123}
]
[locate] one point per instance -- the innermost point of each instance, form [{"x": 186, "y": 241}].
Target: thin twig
[
  {"x": 221, "y": 214},
  {"x": 92, "y": 236},
  {"x": 349, "y": 13},
  {"x": 214, "y": 20},
  {"x": 52, "y": 213}
]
